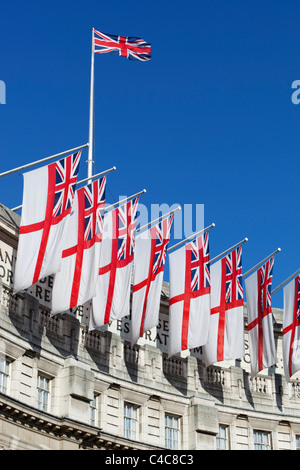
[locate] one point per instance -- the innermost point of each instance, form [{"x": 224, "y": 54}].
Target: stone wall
[{"x": 91, "y": 375}]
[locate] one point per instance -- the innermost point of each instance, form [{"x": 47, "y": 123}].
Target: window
[
  {"x": 297, "y": 442},
  {"x": 130, "y": 421},
  {"x": 93, "y": 411},
  {"x": 4, "y": 374},
  {"x": 222, "y": 438},
  {"x": 43, "y": 392},
  {"x": 261, "y": 440},
  {"x": 172, "y": 432}
]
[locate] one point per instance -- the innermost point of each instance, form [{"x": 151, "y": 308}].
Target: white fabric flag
[
  {"x": 291, "y": 329},
  {"x": 75, "y": 282},
  {"x": 117, "y": 252},
  {"x": 260, "y": 321},
  {"x": 189, "y": 304},
  {"x": 226, "y": 324},
  {"x": 47, "y": 200},
  {"x": 149, "y": 264}
]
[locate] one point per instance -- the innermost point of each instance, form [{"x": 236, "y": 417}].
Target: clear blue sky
[{"x": 208, "y": 121}]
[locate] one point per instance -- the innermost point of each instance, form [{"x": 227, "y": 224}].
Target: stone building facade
[{"x": 63, "y": 387}]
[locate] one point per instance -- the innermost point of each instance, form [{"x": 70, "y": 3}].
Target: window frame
[
  {"x": 5, "y": 374},
  {"x": 42, "y": 404},
  {"x": 131, "y": 432},
  {"x": 222, "y": 439},
  {"x": 93, "y": 416},
  {"x": 174, "y": 431},
  {"x": 261, "y": 444}
]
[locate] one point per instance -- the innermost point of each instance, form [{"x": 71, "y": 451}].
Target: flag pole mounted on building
[
  {"x": 126, "y": 199},
  {"x": 91, "y": 116},
  {"x": 261, "y": 262},
  {"x": 285, "y": 282},
  {"x": 190, "y": 238},
  {"x": 158, "y": 219},
  {"x": 57, "y": 155},
  {"x": 228, "y": 251},
  {"x": 102, "y": 173}
]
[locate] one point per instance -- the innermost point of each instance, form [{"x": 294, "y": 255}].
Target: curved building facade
[{"x": 65, "y": 387}]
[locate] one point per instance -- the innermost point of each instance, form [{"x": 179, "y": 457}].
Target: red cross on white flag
[
  {"x": 260, "y": 321},
  {"x": 291, "y": 328},
  {"x": 47, "y": 201},
  {"x": 75, "y": 283},
  {"x": 117, "y": 252},
  {"x": 189, "y": 295},
  {"x": 226, "y": 325},
  {"x": 149, "y": 264}
]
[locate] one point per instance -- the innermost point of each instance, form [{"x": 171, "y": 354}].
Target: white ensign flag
[
  {"x": 189, "y": 304},
  {"x": 47, "y": 200},
  {"x": 226, "y": 324},
  {"x": 291, "y": 328},
  {"x": 75, "y": 283},
  {"x": 117, "y": 252},
  {"x": 260, "y": 321},
  {"x": 149, "y": 263}
]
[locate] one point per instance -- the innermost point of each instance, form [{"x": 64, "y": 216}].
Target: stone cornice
[{"x": 64, "y": 428}]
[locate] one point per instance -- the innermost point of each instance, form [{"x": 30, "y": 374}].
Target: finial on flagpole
[
  {"x": 228, "y": 250},
  {"x": 191, "y": 237},
  {"x": 158, "y": 219},
  {"x": 261, "y": 262}
]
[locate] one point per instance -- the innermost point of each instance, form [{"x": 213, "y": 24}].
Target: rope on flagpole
[
  {"x": 190, "y": 238},
  {"x": 158, "y": 219},
  {"x": 227, "y": 251},
  {"x": 260, "y": 263},
  {"x": 43, "y": 160},
  {"x": 285, "y": 282}
]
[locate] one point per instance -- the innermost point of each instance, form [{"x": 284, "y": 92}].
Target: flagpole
[
  {"x": 190, "y": 238},
  {"x": 96, "y": 175},
  {"x": 261, "y": 262},
  {"x": 159, "y": 218},
  {"x": 91, "y": 117},
  {"x": 44, "y": 160},
  {"x": 124, "y": 200},
  {"x": 285, "y": 282},
  {"x": 228, "y": 251}
]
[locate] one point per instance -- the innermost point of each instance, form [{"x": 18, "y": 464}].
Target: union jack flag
[
  {"x": 94, "y": 202},
  {"x": 66, "y": 172},
  {"x": 127, "y": 224},
  {"x": 265, "y": 276},
  {"x": 131, "y": 47},
  {"x": 234, "y": 289},
  {"x": 162, "y": 234},
  {"x": 200, "y": 267}
]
